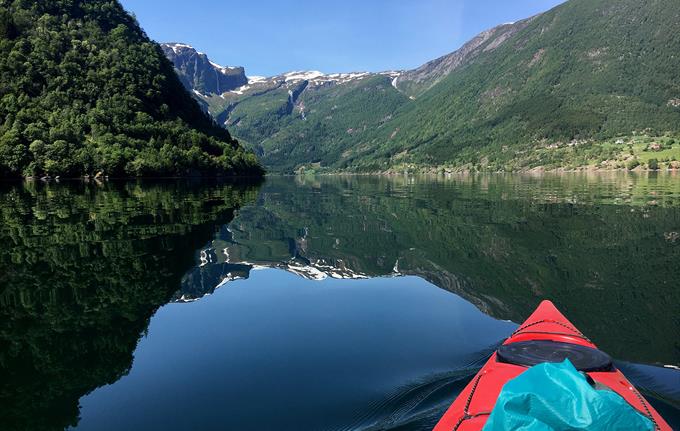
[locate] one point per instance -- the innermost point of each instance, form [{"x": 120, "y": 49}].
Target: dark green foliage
[
  {"x": 84, "y": 90},
  {"x": 632, "y": 164},
  {"x": 7, "y": 28},
  {"x": 653, "y": 164}
]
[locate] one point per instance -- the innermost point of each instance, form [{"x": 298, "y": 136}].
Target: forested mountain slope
[
  {"x": 588, "y": 83},
  {"x": 557, "y": 91},
  {"x": 83, "y": 90}
]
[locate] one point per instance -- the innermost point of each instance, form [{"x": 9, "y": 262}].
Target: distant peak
[
  {"x": 177, "y": 48},
  {"x": 201, "y": 75}
]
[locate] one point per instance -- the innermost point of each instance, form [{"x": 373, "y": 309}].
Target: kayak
[{"x": 546, "y": 336}]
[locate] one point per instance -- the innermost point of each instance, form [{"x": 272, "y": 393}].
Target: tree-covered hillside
[
  {"x": 575, "y": 78},
  {"x": 83, "y": 90}
]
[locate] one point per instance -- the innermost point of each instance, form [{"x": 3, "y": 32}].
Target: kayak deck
[{"x": 473, "y": 406}]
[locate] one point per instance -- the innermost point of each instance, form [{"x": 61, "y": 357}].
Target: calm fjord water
[{"x": 329, "y": 303}]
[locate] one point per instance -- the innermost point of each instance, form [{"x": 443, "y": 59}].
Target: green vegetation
[
  {"x": 583, "y": 73},
  {"x": 82, "y": 269},
  {"x": 83, "y": 90},
  {"x": 615, "y": 153},
  {"x": 335, "y": 119},
  {"x": 246, "y": 117},
  {"x": 320, "y": 127},
  {"x": 559, "y": 92},
  {"x": 286, "y": 123}
]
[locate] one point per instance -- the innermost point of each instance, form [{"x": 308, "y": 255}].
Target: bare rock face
[
  {"x": 199, "y": 74},
  {"x": 417, "y": 81}
]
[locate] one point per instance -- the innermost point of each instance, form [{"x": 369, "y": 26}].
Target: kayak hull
[{"x": 473, "y": 406}]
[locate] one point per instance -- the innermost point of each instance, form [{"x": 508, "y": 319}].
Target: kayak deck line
[
  {"x": 521, "y": 330},
  {"x": 545, "y": 328}
]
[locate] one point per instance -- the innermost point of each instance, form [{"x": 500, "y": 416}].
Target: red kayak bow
[{"x": 546, "y": 336}]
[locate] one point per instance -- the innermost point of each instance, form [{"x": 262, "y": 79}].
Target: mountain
[
  {"x": 577, "y": 85},
  {"x": 269, "y": 114},
  {"x": 83, "y": 90},
  {"x": 590, "y": 83},
  {"x": 197, "y": 73}
]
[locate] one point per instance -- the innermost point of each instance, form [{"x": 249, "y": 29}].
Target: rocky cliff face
[{"x": 199, "y": 74}]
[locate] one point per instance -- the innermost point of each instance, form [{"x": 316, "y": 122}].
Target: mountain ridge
[
  {"x": 544, "y": 92},
  {"x": 424, "y": 77}
]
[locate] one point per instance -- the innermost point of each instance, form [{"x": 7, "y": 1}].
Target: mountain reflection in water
[
  {"x": 87, "y": 266},
  {"x": 604, "y": 248}
]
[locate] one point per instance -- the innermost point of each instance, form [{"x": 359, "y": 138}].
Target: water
[{"x": 321, "y": 303}]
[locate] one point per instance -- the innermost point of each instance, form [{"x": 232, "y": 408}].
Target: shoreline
[
  {"x": 388, "y": 173},
  {"x": 440, "y": 172}
]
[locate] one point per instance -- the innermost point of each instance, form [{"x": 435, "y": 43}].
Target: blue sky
[{"x": 268, "y": 37}]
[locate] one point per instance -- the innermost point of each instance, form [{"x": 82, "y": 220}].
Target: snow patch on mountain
[
  {"x": 177, "y": 47},
  {"x": 241, "y": 89},
  {"x": 315, "y": 77},
  {"x": 302, "y": 75}
]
